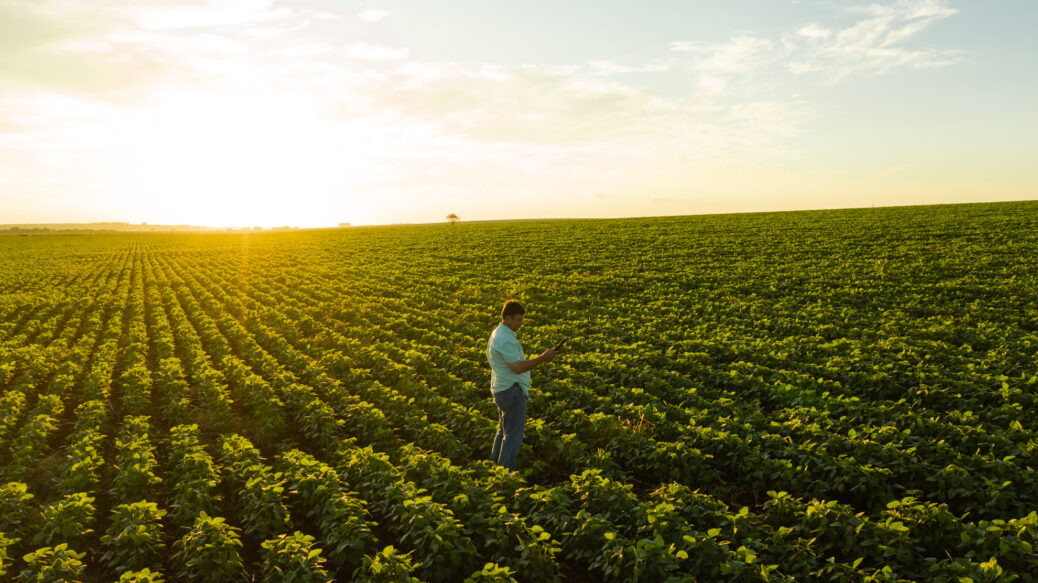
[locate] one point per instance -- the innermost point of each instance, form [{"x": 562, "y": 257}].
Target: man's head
[{"x": 512, "y": 314}]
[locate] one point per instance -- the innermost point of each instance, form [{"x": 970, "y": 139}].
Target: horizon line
[{"x": 145, "y": 226}]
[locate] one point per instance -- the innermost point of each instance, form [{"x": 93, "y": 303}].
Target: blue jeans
[{"x": 511, "y": 408}]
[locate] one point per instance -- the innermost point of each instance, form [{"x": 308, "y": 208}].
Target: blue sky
[{"x": 314, "y": 112}]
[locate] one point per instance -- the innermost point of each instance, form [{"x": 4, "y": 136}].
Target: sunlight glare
[{"x": 233, "y": 160}]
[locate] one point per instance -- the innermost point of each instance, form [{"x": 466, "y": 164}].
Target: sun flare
[{"x": 241, "y": 160}]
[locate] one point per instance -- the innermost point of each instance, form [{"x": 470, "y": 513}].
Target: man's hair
[{"x": 511, "y": 308}]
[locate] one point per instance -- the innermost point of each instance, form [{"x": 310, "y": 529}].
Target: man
[{"x": 510, "y": 382}]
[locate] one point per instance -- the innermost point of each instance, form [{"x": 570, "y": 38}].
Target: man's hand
[{"x": 521, "y": 366}]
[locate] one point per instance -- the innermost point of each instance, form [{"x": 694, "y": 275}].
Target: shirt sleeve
[{"x": 510, "y": 351}]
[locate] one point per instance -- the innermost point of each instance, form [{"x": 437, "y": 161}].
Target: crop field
[{"x": 827, "y": 395}]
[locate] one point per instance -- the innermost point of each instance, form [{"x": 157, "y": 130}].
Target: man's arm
[{"x": 521, "y": 366}]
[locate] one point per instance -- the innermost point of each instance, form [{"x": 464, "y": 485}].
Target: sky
[{"x": 311, "y": 113}]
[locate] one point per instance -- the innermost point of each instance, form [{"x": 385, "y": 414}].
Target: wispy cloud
[
  {"x": 716, "y": 67},
  {"x": 373, "y": 15},
  {"x": 611, "y": 67},
  {"x": 814, "y": 31},
  {"x": 376, "y": 52},
  {"x": 875, "y": 44},
  {"x": 740, "y": 54},
  {"x": 201, "y": 13}
]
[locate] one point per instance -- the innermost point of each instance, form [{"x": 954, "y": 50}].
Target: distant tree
[{"x": 452, "y": 218}]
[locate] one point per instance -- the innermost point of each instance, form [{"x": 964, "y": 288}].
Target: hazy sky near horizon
[{"x": 315, "y": 112}]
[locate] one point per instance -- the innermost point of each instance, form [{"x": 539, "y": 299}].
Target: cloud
[
  {"x": 569, "y": 121},
  {"x": 723, "y": 69},
  {"x": 610, "y": 67},
  {"x": 372, "y": 15},
  {"x": 814, "y": 31},
  {"x": 875, "y": 44},
  {"x": 376, "y": 52},
  {"x": 204, "y": 13},
  {"x": 740, "y": 54},
  {"x": 110, "y": 50},
  {"x": 526, "y": 104}
]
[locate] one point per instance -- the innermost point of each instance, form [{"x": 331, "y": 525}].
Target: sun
[{"x": 265, "y": 159}]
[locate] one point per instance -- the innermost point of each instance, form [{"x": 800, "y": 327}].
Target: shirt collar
[{"x": 506, "y": 330}]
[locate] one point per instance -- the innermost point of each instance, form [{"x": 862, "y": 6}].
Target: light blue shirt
[{"x": 503, "y": 348}]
